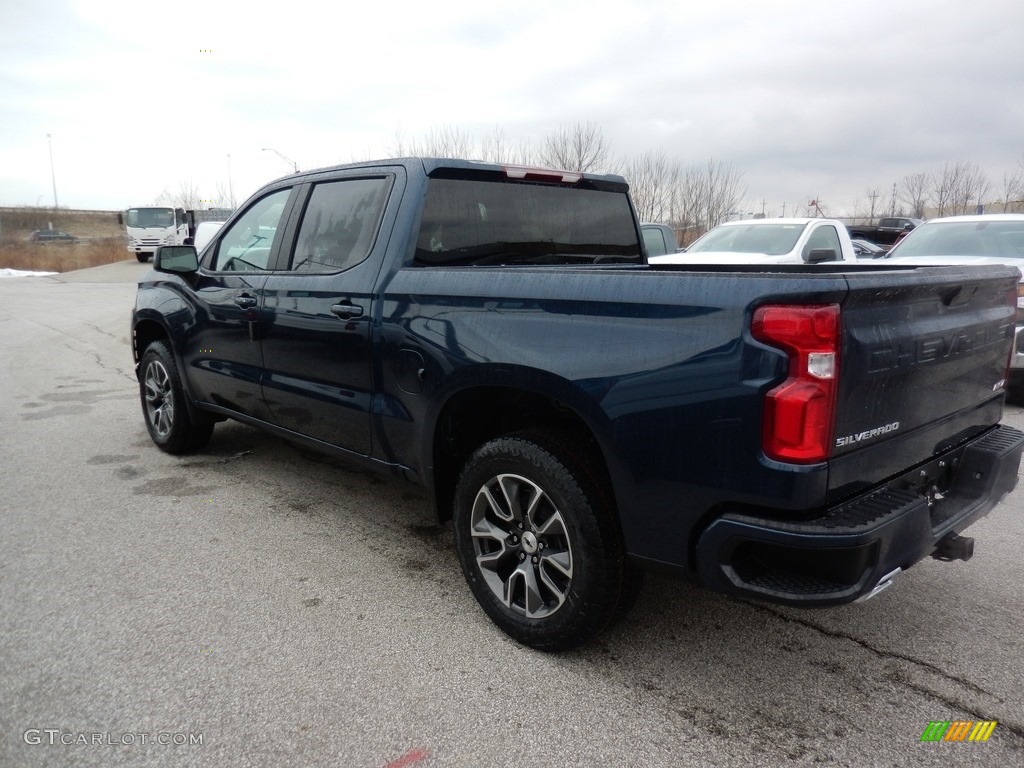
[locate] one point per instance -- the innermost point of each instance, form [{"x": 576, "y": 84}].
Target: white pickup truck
[{"x": 768, "y": 241}]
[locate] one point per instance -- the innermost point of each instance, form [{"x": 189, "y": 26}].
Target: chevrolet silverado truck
[
  {"x": 788, "y": 433},
  {"x": 887, "y": 232},
  {"x": 767, "y": 241}
]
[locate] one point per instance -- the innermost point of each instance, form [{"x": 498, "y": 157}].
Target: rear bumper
[{"x": 843, "y": 555}]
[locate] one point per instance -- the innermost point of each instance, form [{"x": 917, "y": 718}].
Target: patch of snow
[{"x": 7, "y": 272}]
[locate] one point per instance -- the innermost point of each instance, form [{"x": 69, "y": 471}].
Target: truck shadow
[{"x": 795, "y": 681}]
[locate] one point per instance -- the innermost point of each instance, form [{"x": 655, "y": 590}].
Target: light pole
[
  {"x": 53, "y": 176},
  {"x": 286, "y": 159}
]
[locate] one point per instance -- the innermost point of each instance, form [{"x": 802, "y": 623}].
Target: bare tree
[
  {"x": 653, "y": 181},
  {"x": 578, "y": 147},
  {"x": 912, "y": 189},
  {"x": 958, "y": 187},
  {"x": 186, "y": 197},
  {"x": 221, "y": 198},
  {"x": 942, "y": 184},
  {"x": 972, "y": 189},
  {"x": 707, "y": 194},
  {"x": 447, "y": 141},
  {"x": 1013, "y": 188},
  {"x": 496, "y": 148}
]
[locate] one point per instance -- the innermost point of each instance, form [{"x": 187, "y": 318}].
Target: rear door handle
[
  {"x": 347, "y": 310},
  {"x": 245, "y": 300}
]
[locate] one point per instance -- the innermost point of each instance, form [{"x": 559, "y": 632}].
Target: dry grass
[{"x": 63, "y": 257}]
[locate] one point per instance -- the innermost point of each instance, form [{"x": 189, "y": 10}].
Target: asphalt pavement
[{"x": 258, "y": 605}]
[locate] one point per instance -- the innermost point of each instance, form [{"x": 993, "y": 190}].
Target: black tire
[
  {"x": 142, "y": 257},
  {"x": 164, "y": 408},
  {"x": 538, "y": 541}
]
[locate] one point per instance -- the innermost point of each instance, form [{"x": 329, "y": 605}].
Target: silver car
[{"x": 994, "y": 238}]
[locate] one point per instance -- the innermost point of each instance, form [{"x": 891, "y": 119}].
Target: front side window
[
  {"x": 247, "y": 244},
  {"x": 340, "y": 224}
]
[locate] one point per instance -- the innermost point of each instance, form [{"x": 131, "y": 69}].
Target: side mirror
[
  {"x": 908, "y": 226},
  {"x": 177, "y": 259},
  {"x": 819, "y": 255}
]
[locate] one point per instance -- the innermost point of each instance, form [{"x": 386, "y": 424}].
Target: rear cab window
[{"x": 492, "y": 220}]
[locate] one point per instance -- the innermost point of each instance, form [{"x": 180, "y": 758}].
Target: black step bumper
[{"x": 844, "y": 554}]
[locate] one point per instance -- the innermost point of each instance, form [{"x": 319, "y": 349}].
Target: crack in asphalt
[
  {"x": 105, "y": 332},
  {"x": 953, "y": 703},
  {"x": 209, "y": 462},
  {"x": 878, "y": 651},
  {"x": 1015, "y": 728},
  {"x": 115, "y": 369}
]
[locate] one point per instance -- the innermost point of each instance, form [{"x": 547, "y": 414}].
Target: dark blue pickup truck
[{"x": 792, "y": 434}]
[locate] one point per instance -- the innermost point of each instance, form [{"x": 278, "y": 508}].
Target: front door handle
[
  {"x": 347, "y": 310},
  {"x": 245, "y": 300}
]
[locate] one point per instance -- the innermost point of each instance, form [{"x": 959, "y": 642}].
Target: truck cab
[{"x": 769, "y": 241}]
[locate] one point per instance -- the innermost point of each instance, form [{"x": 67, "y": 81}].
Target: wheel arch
[
  {"x": 513, "y": 401},
  {"x": 149, "y": 326},
  {"x": 145, "y": 330}
]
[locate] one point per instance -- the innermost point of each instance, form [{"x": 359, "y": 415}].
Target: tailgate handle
[{"x": 345, "y": 309}]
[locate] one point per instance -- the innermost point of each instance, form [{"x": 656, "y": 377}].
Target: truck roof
[
  {"x": 801, "y": 220},
  {"x": 432, "y": 165}
]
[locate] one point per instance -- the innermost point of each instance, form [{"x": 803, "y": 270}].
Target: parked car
[
  {"x": 659, "y": 239},
  {"x": 768, "y": 241},
  {"x": 888, "y": 230},
  {"x": 865, "y": 249},
  {"x": 991, "y": 238},
  {"x": 204, "y": 233},
  {"x": 50, "y": 235}
]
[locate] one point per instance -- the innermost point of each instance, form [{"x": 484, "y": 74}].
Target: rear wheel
[
  {"x": 164, "y": 408},
  {"x": 538, "y": 542}
]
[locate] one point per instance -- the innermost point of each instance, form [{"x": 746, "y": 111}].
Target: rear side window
[
  {"x": 654, "y": 241},
  {"x": 471, "y": 221},
  {"x": 340, "y": 224},
  {"x": 824, "y": 237}
]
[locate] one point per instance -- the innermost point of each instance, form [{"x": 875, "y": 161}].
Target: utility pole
[
  {"x": 231, "y": 188},
  {"x": 53, "y": 176},
  {"x": 892, "y": 208},
  {"x": 874, "y": 197}
]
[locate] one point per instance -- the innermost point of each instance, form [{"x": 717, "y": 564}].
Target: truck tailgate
[{"x": 922, "y": 367}]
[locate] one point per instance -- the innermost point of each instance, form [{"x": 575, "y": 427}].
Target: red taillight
[{"x": 799, "y": 414}]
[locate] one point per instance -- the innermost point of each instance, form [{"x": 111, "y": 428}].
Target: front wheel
[
  {"x": 142, "y": 257},
  {"x": 164, "y": 409},
  {"x": 538, "y": 542}
]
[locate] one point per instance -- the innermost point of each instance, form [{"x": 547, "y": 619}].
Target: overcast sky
[{"x": 806, "y": 99}]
